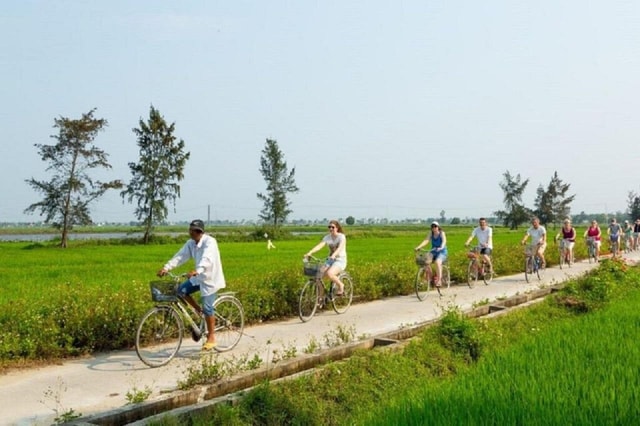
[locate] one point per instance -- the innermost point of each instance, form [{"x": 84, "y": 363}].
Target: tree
[
  {"x": 279, "y": 181},
  {"x": 553, "y": 204},
  {"x": 70, "y": 191},
  {"x": 350, "y": 220},
  {"x": 633, "y": 205},
  {"x": 155, "y": 178},
  {"x": 515, "y": 212},
  {"x": 560, "y": 201},
  {"x": 543, "y": 205}
]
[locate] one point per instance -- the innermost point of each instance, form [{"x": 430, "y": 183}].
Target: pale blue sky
[{"x": 385, "y": 108}]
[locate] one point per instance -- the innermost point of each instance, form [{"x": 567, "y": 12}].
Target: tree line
[
  {"x": 552, "y": 204},
  {"x": 155, "y": 177}
]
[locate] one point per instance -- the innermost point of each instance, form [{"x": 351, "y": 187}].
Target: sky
[{"x": 385, "y": 109}]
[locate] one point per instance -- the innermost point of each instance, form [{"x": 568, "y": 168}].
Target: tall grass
[{"x": 89, "y": 297}]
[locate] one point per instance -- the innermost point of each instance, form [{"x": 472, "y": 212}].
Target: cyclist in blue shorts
[{"x": 438, "y": 241}]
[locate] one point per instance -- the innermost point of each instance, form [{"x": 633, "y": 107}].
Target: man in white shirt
[
  {"x": 538, "y": 239},
  {"x": 206, "y": 277},
  {"x": 484, "y": 234}
]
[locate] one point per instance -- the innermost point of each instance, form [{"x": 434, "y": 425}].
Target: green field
[{"x": 89, "y": 297}]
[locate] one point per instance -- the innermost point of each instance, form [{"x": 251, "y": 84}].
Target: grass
[{"x": 57, "y": 303}]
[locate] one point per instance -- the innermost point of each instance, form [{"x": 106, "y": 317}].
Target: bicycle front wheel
[
  {"x": 342, "y": 303},
  {"x": 229, "y": 325},
  {"x": 562, "y": 258},
  {"x": 159, "y": 336},
  {"x": 487, "y": 272},
  {"x": 422, "y": 283},
  {"x": 528, "y": 268},
  {"x": 308, "y": 301},
  {"x": 541, "y": 267},
  {"x": 472, "y": 274}
]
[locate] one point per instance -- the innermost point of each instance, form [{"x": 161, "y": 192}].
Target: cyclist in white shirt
[
  {"x": 206, "y": 276},
  {"x": 484, "y": 234},
  {"x": 538, "y": 239}
]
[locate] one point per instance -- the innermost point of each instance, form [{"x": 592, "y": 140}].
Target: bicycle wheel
[
  {"x": 422, "y": 283},
  {"x": 229, "y": 322},
  {"x": 562, "y": 260},
  {"x": 472, "y": 274},
  {"x": 159, "y": 336},
  {"x": 487, "y": 273},
  {"x": 342, "y": 303},
  {"x": 540, "y": 268},
  {"x": 528, "y": 268},
  {"x": 308, "y": 300},
  {"x": 614, "y": 249}
]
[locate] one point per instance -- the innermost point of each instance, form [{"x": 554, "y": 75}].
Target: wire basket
[
  {"x": 164, "y": 291},
  {"x": 311, "y": 269},
  {"x": 424, "y": 258}
]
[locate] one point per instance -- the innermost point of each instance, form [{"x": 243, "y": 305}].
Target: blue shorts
[
  {"x": 187, "y": 288},
  {"x": 439, "y": 255}
]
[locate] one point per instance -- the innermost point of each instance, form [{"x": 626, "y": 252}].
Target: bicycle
[
  {"x": 565, "y": 254},
  {"x": 425, "y": 277},
  {"x": 161, "y": 329},
  {"x": 592, "y": 251},
  {"x": 533, "y": 264},
  {"x": 628, "y": 243},
  {"x": 314, "y": 295},
  {"x": 478, "y": 268},
  {"x": 614, "y": 245}
]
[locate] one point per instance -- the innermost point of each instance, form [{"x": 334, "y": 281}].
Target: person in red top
[
  {"x": 593, "y": 233},
  {"x": 568, "y": 234}
]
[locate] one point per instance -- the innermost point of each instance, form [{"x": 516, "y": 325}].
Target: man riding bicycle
[
  {"x": 538, "y": 236},
  {"x": 484, "y": 235},
  {"x": 207, "y": 276}
]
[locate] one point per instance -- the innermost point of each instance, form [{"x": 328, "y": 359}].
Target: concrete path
[{"x": 101, "y": 382}]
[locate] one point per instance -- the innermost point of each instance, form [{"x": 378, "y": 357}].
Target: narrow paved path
[{"x": 101, "y": 382}]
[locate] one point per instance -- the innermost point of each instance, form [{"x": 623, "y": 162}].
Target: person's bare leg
[
  {"x": 211, "y": 325},
  {"x": 332, "y": 274}
]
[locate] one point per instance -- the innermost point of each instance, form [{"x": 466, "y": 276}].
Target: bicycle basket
[
  {"x": 311, "y": 269},
  {"x": 424, "y": 258},
  {"x": 164, "y": 291}
]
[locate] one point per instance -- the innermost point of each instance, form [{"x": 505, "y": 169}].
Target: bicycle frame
[{"x": 478, "y": 268}]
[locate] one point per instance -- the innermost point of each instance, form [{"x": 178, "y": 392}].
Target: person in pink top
[{"x": 593, "y": 233}]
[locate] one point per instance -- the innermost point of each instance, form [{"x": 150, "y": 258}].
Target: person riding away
[
  {"x": 337, "y": 260},
  {"x": 568, "y": 234},
  {"x": 207, "y": 275},
  {"x": 484, "y": 235},
  {"x": 538, "y": 236},
  {"x": 438, "y": 240}
]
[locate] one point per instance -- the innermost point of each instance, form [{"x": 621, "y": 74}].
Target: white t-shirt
[
  {"x": 483, "y": 236},
  {"x": 334, "y": 243},
  {"x": 536, "y": 234}
]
